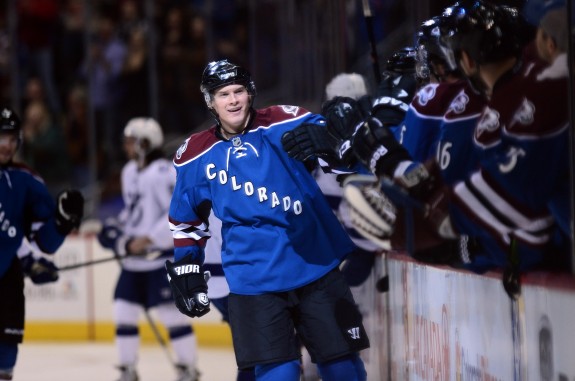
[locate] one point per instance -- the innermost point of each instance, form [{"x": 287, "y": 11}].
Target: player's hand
[
  {"x": 376, "y": 147},
  {"x": 343, "y": 115},
  {"x": 392, "y": 97},
  {"x": 39, "y": 269},
  {"x": 112, "y": 237},
  {"x": 309, "y": 140},
  {"x": 69, "y": 211},
  {"x": 189, "y": 287}
]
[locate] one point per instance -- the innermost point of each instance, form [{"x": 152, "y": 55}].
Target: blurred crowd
[{"x": 63, "y": 64}]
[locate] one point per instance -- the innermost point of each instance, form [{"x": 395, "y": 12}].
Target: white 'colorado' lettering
[{"x": 262, "y": 194}]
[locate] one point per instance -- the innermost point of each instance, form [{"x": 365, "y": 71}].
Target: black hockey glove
[
  {"x": 189, "y": 287},
  {"x": 376, "y": 147},
  {"x": 39, "y": 270},
  {"x": 69, "y": 211},
  {"x": 392, "y": 98},
  {"x": 309, "y": 140},
  {"x": 343, "y": 115}
]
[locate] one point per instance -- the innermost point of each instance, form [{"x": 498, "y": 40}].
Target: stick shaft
[{"x": 368, "y": 16}]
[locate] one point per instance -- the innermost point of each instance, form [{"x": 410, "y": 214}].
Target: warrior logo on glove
[{"x": 189, "y": 286}]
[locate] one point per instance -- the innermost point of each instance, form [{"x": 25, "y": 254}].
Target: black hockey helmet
[
  {"x": 486, "y": 32},
  {"x": 430, "y": 49},
  {"x": 221, "y": 73},
  {"x": 402, "y": 61},
  {"x": 10, "y": 122}
]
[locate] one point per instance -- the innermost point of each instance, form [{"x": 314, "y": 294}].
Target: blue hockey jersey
[
  {"x": 523, "y": 140},
  {"x": 278, "y": 231},
  {"x": 26, "y": 209}
]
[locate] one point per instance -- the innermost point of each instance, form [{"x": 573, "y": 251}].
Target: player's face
[
  {"x": 543, "y": 42},
  {"x": 232, "y": 104},
  {"x": 130, "y": 147},
  {"x": 8, "y": 147}
]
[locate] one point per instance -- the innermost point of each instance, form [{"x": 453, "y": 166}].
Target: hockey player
[
  {"x": 142, "y": 241},
  {"x": 517, "y": 140},
  {"x": 27, "y": 211},
  {"x": 282, "y": 244}
]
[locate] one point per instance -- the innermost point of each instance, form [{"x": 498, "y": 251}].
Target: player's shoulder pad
[
  {"x": 465, "y": 104},
  {"x": 434, "y": 99},
  {"x": 195, "y": 145},
  {"x": 24, "y": 169},
  {"x": 278, "y": 113}
]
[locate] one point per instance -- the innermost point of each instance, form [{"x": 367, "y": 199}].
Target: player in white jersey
[{"x": 142, "y": 241}]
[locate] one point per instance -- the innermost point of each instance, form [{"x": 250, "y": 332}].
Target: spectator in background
[
  {"x": 102, "y": 68},
  {"x": 182, "y": 52},
  {"x": 71, "y": 45},
  {"x": 38, "y": 22},
  {"x": 44, "y": 147},
  {"x": 135, "y": 76},
  {"x": 76, "y": 131}
]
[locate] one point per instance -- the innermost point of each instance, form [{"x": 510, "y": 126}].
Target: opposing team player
[
  {"x": 27, "y": 212},
  {"x": 141, "y": 239},
  {"x": 282, "y": 244}
]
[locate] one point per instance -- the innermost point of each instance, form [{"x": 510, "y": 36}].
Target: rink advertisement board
[
  {"x": 71, "y": 297},
  {"x": 453, "y": 325},
  {"x": 434, "y": 323}
]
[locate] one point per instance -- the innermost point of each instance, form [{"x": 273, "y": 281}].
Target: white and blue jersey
[
  {"x": 26, "y": 210},
  {"x": 146, "y": 193},
  {"x": 278, "y": 230}
]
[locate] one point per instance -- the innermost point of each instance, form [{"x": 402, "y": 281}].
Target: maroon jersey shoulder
[
  {"x": 466, "y": 103},
  {"x": 434, "y": 99},
  {"x": 273, "y": 114},
  {"x": 195, "y": 145}
]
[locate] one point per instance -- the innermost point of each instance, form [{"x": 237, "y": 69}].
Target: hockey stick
[
  {"x": 151, "y": 322},
  {"x": 87, "y": 263},
  {"x": 159, "y": 338},
  {"x": 150, "y": 255},
  {"x": 368, "y": 16}
]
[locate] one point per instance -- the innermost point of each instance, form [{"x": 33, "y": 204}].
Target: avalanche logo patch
[
  {"x": 427, "y": 93},
  {"x": 525, "y": 113},
  {"x": 488, "y": 123},
  {"x": 182, "y": 149},
  {"x": 290, "y": 109},
  {"x": 459, "y": 103}
]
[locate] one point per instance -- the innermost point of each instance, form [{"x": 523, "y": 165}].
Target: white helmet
[
  {"x": 145, "y": 128},
  {"x": 346, "y": 85}
]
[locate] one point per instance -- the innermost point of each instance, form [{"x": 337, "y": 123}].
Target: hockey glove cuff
[
  {"x": 189, "y": 286},
  {"x": 69, "y": 211},
  {"x": 376, "y": 147},
  {"x": 392, "y": 99}
]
